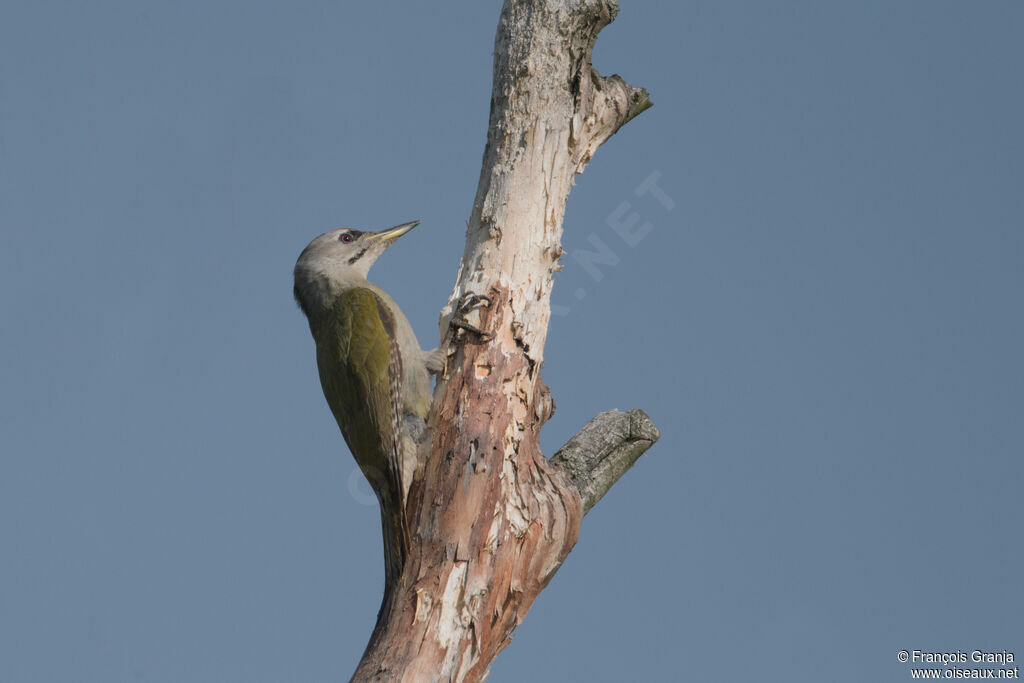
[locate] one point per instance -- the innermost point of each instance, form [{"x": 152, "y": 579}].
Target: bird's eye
[{"x": 346, "y": 237}]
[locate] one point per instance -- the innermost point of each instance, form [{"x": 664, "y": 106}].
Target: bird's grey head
[{"x": 339, "y": 259}]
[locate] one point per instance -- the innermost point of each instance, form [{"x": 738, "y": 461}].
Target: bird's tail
[{"x": 396, "y": 543}]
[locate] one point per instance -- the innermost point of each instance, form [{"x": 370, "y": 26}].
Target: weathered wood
[
  {"x": 492, "y": 519},
  {"x": 603, "y": 450}
]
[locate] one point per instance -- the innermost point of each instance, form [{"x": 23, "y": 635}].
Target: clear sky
[{"x": 824, "y": 318}]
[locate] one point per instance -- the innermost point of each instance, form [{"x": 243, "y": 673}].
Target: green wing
[{"x": 361, "y": 374}]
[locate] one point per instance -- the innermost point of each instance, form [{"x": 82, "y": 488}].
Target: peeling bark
[{"x": 492, "y": 519}]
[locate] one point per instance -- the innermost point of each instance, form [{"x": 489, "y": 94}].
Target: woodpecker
[{"x": 374, "y": 375}]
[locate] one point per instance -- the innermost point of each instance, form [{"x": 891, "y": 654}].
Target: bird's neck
[{"x": 317, "y": 292}]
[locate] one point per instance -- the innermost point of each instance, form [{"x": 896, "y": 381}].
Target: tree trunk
[{"x": 491, "y": 518}]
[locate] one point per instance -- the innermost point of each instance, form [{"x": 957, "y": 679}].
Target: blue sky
[{"x": 823, "y": 318}]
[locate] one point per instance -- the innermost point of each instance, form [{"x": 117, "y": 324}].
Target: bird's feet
[
  {"x": 467, "y": 304},
  {"x": 471, "y": 301}
]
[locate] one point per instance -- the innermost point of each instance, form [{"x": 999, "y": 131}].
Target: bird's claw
[
  {"x": 463, "y": 325},
  {"x": 466, "y": 304},
  {"x": 471, "y": 301}
]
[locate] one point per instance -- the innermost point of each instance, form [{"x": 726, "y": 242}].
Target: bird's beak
[{"x": 391, "y": 233}]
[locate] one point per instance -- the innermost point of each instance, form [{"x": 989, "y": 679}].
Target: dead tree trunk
[{"x": 491, "y": 518}]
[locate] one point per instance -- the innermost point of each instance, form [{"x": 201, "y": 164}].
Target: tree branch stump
[{"x": 492, "y": 519}]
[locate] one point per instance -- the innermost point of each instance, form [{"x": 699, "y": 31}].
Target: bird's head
[{"x": 337, "y": 258}]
